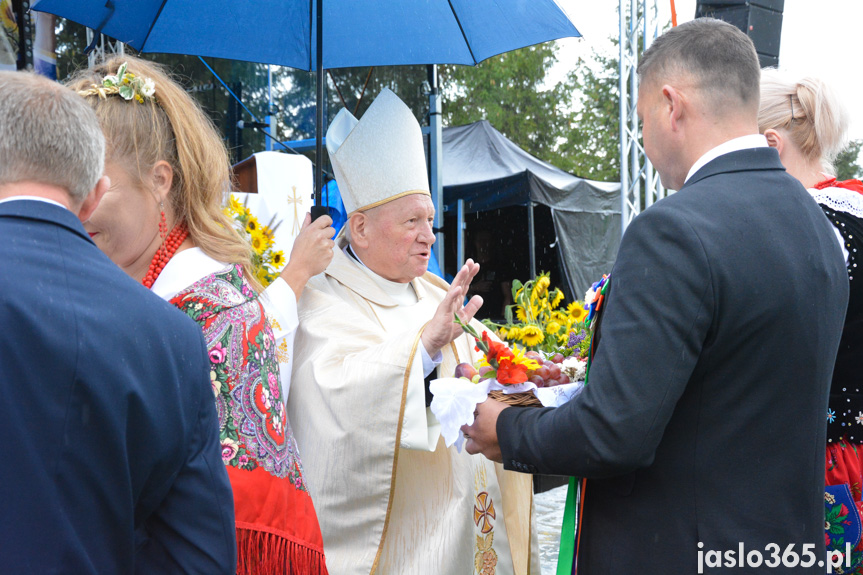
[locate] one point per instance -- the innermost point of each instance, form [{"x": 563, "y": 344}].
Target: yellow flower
[
  {"x": 259, "y": 242},
  {"x": 563, "y": 338},
  {"x": 531, "y": 335},
  {"x": 519, "y": 313},
  {"x": 540, "y": 288},
  {"x": 576, "y": 311},
  {"x": 559, "y": 316},
  {"x": 557, "y": 298},
  {"x": 252, "y": 225},
  {"x": 277, "y": 258},
  {"x": 521, "y": 359},
  {"x": 234, "y": 204},
  {"x": 514, "y": 333},
  {"x": 552, "y": 328}
]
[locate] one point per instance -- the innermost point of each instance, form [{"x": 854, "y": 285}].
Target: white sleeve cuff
[
  {"x": 280, "y": 303},
  {"x": 430, "y": 363}
]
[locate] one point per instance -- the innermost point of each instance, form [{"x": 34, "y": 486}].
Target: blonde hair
[
  {"x": 809, "y": 111},
  {"x": 172, "y": 127}
]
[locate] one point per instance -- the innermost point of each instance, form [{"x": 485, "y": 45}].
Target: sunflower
[
  {"x": 552, "y": 328},
  {"x": 234, "y": 204},
  {"x": 252, "y": 225},
  {"x": 519, "y": 313},
  {"x": 514, "y": 333},
  {"x": 540, "y": 288},
  {"x": 531, "y": 335},
  {"x": 576, "y": 311},
  {"x": 258, "y": 241},
  {"x": 556, "y": 298},
  {"x": 277, "y": 258}
]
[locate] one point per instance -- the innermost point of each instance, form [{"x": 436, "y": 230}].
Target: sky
[{"x": 819, "y": 38}]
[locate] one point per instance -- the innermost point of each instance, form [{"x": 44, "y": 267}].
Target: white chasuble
[{"x": 390, "y": 497}]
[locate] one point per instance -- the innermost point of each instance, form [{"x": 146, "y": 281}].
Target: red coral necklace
[{"x": 165, "y": 252}]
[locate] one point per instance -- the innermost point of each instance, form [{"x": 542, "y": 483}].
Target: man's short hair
[
  {"x": 718, "y": 56},
  {"x": 48, "y": 134}
]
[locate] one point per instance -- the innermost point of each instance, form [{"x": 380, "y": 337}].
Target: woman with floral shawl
[{"x": 161, "y": 221}]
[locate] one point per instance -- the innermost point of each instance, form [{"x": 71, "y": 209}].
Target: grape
[
  {"x": 563, "y": 379},
  {"x": 533, "y": 355},
  {"x": 542, "y": 372},
  {"x": 557, "y": 358},
  {"x": 484, "y": 370},
  {"x": 553, "y": 372},
  {"x": 537, "y": 380}
]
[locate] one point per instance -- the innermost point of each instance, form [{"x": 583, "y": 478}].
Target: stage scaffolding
[{"x": 639, "y": 183}]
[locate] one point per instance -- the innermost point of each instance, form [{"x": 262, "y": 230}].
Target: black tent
[{"x": 533, "y": 212}]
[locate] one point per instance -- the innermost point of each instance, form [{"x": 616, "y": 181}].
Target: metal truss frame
[{"x": 639, "y": 182}]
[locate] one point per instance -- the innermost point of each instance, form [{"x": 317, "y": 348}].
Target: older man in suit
[
  {"x": 111, "y": 459},
  {"x": 703, "y": 423}
]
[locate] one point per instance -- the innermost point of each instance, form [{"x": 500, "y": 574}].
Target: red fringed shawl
[{"x": 277, "y": 528}]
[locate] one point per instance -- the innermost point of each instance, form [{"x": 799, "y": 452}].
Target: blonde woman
[
  {"x": 161, "y": 221},
  {"x": 804, "y": 120}
]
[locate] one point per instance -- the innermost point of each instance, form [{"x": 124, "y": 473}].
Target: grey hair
[
  {"x": 719, "y": 57},
  {"x": 48, "y": 134}
]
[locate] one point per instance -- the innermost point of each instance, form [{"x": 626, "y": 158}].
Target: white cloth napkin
[{"x": 455, "y": 399}]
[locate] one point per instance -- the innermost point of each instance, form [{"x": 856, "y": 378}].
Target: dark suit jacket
[
  {"x": 107, "y": 418},
  {"x": 704, "y": 418}
]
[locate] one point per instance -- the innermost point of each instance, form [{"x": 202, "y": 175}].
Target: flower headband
[{"x": 126, "y": 84}]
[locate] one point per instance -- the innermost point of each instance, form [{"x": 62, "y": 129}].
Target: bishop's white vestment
[{"x": 390, "y": 497}]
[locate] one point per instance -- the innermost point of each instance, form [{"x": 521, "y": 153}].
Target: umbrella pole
[{"x": 319, "y": 209}]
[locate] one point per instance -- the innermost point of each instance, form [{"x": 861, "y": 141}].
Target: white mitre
[{"x": 379, "y": 158}]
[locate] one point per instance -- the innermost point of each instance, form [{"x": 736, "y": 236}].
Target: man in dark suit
[
  {"x": 702, "y": 427},
  {"x": 111, "y": 457}
]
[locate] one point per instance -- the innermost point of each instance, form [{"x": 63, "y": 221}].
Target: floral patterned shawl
[{"x": 277, "y": 528}]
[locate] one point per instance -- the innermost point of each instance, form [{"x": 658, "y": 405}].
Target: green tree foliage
[
  {"x": 573, "y": 124},
  {"x": 591, "y": 147},
  {"x": 351, "y": 88},
  {"x": 293, "y": 91},
  {"x": 847, "y": 162},
  {"x": 507, "y": 90}
]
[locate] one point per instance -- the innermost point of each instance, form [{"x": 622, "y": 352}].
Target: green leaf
[
  {"x": 516, "y": 285},
  {"x": 126, "y": 92},
  {"x": 121, "y": 71}
]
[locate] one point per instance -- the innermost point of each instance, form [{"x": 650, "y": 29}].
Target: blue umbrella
[{"x": 357, "y": 33}]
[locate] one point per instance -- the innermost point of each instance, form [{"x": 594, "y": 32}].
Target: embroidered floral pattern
[
  {"x": 253, "y": 425},
  {"x": 485, "y": 560}
]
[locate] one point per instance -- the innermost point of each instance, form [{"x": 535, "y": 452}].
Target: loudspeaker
[{"x": 761, "y": 20}]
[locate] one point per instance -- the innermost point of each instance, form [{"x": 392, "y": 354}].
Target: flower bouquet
[
  {"x": 266, "y": 261},
  {"x": 510, "y": 375},
  {"x": 539, "y": 320}
]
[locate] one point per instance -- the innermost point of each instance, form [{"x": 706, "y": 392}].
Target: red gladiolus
[
  {"x": 510, "y": 373},
  {"x": 496, "y": 351}
]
